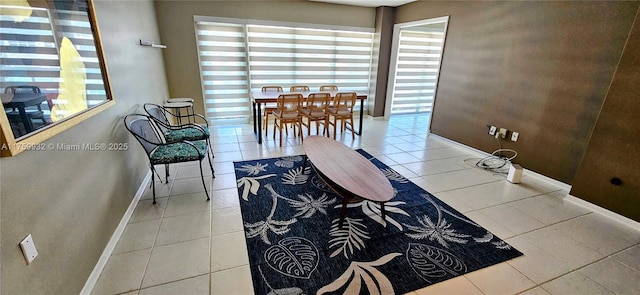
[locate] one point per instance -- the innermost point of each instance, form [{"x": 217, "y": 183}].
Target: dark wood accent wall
[
  {"x": 542, "y": 69},
  {"x": 614, "y": 149}
]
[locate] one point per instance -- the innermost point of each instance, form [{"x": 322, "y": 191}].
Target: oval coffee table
[{"x": 347, "y": 172}]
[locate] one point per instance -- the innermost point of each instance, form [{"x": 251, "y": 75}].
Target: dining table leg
[
  {"x": 259, "y": 123},
  {"x": 255, "y": 123},
  {"x": 361, "y": 115}
]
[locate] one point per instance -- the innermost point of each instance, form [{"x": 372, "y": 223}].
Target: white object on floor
[{"x": 515, "y": 174}]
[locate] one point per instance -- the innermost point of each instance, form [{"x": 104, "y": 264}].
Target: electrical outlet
[
  {"x": 492, "y": 130},
  {"x": 29, "y": 249},
  {"x": 502, "y": 132},
  {"x": 514, "y": 136}
]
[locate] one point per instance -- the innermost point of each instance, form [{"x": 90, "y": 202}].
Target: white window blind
[
  {"x": 29, "y": 50},
  {"x": 224, "y": 71},
  {"x": 288, "y": 56},
  {"x": 236, "y": 58},
  {"x": 417, "y": 67}
]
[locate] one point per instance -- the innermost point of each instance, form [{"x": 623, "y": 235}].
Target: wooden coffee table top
[{"x": 348, "y": 169}]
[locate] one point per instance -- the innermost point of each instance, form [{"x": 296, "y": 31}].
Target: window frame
[{"x": 11, "y": 146}]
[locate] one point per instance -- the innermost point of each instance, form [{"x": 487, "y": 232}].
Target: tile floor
[{"x": 184, "y": 245}]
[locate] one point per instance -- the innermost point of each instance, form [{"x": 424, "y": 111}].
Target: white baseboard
[
  {"x": 111, "y": 246},
  {"x": 610, "y": 214},
  {"x": 561, "y": 185}
]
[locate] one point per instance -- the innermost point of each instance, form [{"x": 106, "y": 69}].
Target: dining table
[
  {"x": 21, "y": 101},
  {"x": 260, "y": 98}
]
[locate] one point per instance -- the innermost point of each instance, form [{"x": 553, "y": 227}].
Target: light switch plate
[{"x": 29, "y": 249}]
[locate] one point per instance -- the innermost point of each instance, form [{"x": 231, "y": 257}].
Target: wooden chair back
[
  {"x": 289, "y": 102},
  {"x": 272, "y": 88},
  {"x": 318, "y": 101},
  {"x": 345, "y": 100},
  {"x": 329, "y": 88},
  {"x": 299, "y": 88}
]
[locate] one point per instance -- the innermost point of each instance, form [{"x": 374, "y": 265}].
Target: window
[
  {"x": 224, "y": 71},
  {"x": 298, "y": 56},
  {"x": 30, "y": 55},
  {"x": 238, "y": 58},
  {"x": 52, "y": 72},
  {"x": 417, "y": 66}
]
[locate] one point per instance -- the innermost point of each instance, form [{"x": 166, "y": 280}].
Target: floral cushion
[
  {"x": 189, "y": 133},
  {"x": 178, "y": 152}
]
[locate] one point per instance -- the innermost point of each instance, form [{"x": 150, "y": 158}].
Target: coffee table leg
[
  {"x": 382, "y": 211},
  {"x": 345, "y": 201},
  {"x": 304, "y": 164}
]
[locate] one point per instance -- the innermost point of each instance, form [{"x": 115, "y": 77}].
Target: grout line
[
  {"x": 170, "y": 282},
  {"x": 582, "y": 267},
  {"x": 529, "y": 197}
]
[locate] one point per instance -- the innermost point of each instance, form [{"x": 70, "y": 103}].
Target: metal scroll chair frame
[
  {"x": 182, "y": 100},
  {"x": 162, "y": 153},
  {"x": 191, "y": 131}
]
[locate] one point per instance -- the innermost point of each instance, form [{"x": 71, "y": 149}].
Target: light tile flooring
[{"x": 185, "y": 245}]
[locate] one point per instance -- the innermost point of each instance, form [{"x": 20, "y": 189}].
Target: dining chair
[
  {"x": 342, "y": 110},
  {"x": 299, "y": 88},
  {"x": 269, "y": 108},
  {"x": 160, "y": 152},
  {"x": 14, "y": 115},
  {"x": 315, "y": 111},
  {"x": 329, "y": 88},
  {"x": 287, "y": 111},
  {"x": 176, "y": 133}
]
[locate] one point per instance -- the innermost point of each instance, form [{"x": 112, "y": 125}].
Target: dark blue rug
[{"x": 296, "y": 247}]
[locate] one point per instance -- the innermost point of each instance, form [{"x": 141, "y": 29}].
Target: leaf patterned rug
[{"x": 295, "y": 245}]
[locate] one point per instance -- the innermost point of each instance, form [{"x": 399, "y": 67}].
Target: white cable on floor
[{"x": 497, "y": 161}]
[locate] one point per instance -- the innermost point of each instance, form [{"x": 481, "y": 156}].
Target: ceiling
[{"x": 368, "y": 3}]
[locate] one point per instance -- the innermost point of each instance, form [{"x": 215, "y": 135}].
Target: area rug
[{"x": 295, "y": 245}]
